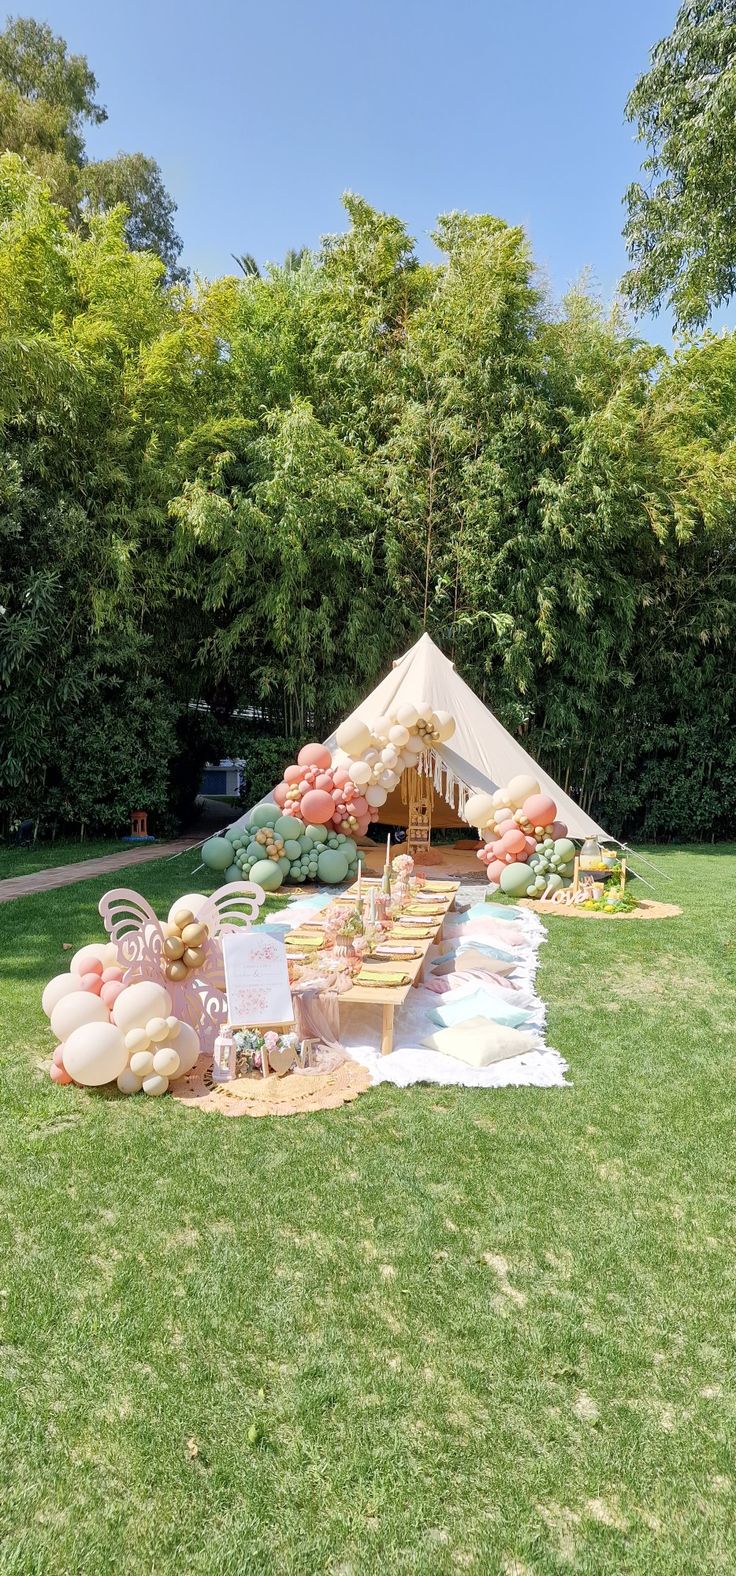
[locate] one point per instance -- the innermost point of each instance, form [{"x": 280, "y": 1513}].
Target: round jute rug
[
  {"x": 646, "y": 908},
  {"x": 296, "y": 1094}
]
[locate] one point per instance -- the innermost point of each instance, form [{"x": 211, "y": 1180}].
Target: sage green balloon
[
  {"x": 332, "y": 866},
  {"x": 234, "y": 873},
  {"x": 350, "y": 849},
  {"x": 565, "y": 850},
  {"x": 515, "y": 879},
  {"x": 217, "y": 853},
  {"x": 267, "y": 874},
  {"x": 265, "y": 815},
  {"x": 284, "y": 864},
  {"x": 314, "y": 833},
  {"x": 292, "y": 848},
  {"x": 288, "y": 826},
  {"x": 233, "y": 833}
]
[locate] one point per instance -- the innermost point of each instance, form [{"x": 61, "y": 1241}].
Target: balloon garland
[
  {"x": 325, "y": 801},
  {"x": 527, "y": 850}
]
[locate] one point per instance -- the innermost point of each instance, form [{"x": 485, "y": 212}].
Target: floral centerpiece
[
  {"x": 402, "y": 866},
  {"x": 252, "y": 1046},
  {"x": 343, "y": 926}
]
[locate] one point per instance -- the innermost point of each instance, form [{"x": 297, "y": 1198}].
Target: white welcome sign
[{"x": 256, "y": 980}]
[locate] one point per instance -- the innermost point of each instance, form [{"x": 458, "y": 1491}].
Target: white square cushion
[{"x": 478, "y": 1042}]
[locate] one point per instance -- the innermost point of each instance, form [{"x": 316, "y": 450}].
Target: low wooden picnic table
[{"x": 393, "y": 996}]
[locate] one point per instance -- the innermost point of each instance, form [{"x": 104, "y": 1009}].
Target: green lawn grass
[
  {"x": 440, "y": 1330},
  {"x": 16, "y": 861}
]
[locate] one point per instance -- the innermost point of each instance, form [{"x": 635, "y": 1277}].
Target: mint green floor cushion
[
  {"x": 479, "y": 1043},
  {"x": 489, "y": 911},
  {"x": 480, "y": 1003}
]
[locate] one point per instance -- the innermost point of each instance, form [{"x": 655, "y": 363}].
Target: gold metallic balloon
[
  {"x": 176, "y": 971},
  {"x": 182, "y": 917},
  {"x": 174, "y": 948},
  {"x": 194, "y": 957},
  {"x": 193, "y": 935}
]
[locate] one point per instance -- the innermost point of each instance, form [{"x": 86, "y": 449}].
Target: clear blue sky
[{"x": 261, "y": 114}]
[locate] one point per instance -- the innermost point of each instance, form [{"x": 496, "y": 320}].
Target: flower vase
[{"x": 402, "y": 891}]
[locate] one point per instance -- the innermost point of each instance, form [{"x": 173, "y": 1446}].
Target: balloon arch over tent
[{"x": 421, "y": 751}]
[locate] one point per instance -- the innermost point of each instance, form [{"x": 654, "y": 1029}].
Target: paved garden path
[{"x": 65, "y": 875}]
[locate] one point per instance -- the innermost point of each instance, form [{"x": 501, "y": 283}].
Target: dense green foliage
[
  {"x": 681, "y": 227},
  {"x": 225, "y": 508}
]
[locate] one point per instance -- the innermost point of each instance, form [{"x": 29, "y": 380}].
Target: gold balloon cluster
[
  {"x": 184, "y": 944},
  {"x": 427, "y": 731},
  {"x": 273, "y": 845}
]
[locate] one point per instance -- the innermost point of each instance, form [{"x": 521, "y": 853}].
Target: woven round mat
[
  {"x": 646, "y": 909},
  {"x": 294, "y": 1095}
]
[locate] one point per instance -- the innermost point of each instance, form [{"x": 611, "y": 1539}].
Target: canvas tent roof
[{"x": 481, "y": 754}]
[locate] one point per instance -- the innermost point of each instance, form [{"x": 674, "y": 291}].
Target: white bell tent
[{"x": 480, "y": 757}]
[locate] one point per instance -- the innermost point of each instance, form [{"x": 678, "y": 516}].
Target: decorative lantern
[{"x": 223, "y": 1057}]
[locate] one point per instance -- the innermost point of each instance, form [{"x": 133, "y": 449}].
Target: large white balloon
[
  {"x": 187, "y": 1048},
  {"x": 376, "y": 796},
  {"x": 195, "y": 901},
  {"x": 500, "y": 798},
  {"x": 521, "y": 788},
  {"x": 399, "y": 736},
  {"x": 137, "y": 1003},
  {"x": 155, "y": 1084},
  {"x": 382, "y": 728},
  {"x": 424, "y": 711},
  {"x": 390, "y": 780},
  {"x": 353, "y": 736},
  {"x": 479, "y": 809},
  {"x": 406, "y": 716},
  {"x": 78, "y": 1008},
  {"x": 95, "y": 1054},
  {"x": 360, "y": 772},
  {"x": 414, "y": 746},
  {"x": 390, "y": 755},
  {"x": 445, "y": 725},
  {"x": 60, "y": 985},
  {"x": 128, "y": 1082},
  {"x": 94, "y": 949}
]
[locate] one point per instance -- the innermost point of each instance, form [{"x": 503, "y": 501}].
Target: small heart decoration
[{"x": 281, "y": 1060}]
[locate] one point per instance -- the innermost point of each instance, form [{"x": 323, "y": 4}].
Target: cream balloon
[
  {"x": 370, "y": 757},
  {"x": 141, "y": 1063},
  {"x": 155, "y": 1084},
  {"x": 415, "y": 745},
  {"x": 187, "y": 1048},
  {"x": 353, "y": 736},
  {"x": 424, "y": 711},
  {"x": 173, "y": 1025},
  {"x": 500, "y": 797},
  {"x": 445, "y": 725},
  {"x": 376, "y": 796},
  {"x": 111, "y": 955},
  {"x": 78, "y": 1008},
  {"x": 521, "y": 788},
  {"x": 166, "y": 1062},
  {"x": 60, "y": 985},
  {"x": 399, "y": 736},
  {"x": 136, "y": 1040},
  {"x": 128, "y": 1082},
  {"x": 194, "y": 901},
  {"x": 382, "y": 728},
  {"x": 95, "y": 1054},
  {"x": 479, "y": 809},
  {"x": 360, "y": 771},
  {"x": 390, "y": 755},
  {"x": 137, "y": 1003},
  {"x": 406, "y": 717},
  {"x": 157, "y": 1030},
  {"x": 390, "y": 780}
]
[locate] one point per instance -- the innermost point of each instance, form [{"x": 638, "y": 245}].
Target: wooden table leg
[{"x": 387, "y": 1033}]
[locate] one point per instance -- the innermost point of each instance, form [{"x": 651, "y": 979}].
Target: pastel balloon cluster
[
  {"x": 320, "y": 794},
  {"x": 378, "y": 752},
  {"x": 311, "y": 852},
  {"x": 527, "y": 849},
  {"x": 130, "y": 1037}
]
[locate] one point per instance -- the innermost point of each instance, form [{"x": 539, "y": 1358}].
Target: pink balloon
[
  {"x": 324, "y": 780},
  {"x": 110, "y": 992},
  {"x": 59, "y": 1056},
  {"x": 59, "y": 1075},
  {"x": 113, "y": 972},
  {"x": 539, "y": 809},
  {"x": 497, "y": 848},
  {"x": 514, "y": 842},
  {"x": 317, "y": 807},
  {"x": 293, "y": 774},
  {"x": 373, "y": 816},
  {"x": 364, "y": 822},
  {"x": 349, "y": 792},
  {"x": 92, "y": 982},
  {"x": 557, "y": 829},
  {"x": 314, "y": 755},
  {"x": 359, "y": 806},
  {"x": 88, "y": 962},
  {"x": 531, "y": 845},
  {"x": 340, "y": 776},
  {"x": 495, "y": 870},
  {"x": 337, "y": 796},
  {"x": 279, "y": 794}
]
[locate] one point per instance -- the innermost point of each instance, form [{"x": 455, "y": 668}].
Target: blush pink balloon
[
  {"x": 59, "y": 1075},
  {"x": 340, "y": 776},
  {"x": 497, "y": 848},
  {"x": 539, "y": 809},
  {"x": 92, "y": 982},
  {"x": 112, "y": 972},
  {"x": 514, "y": 842},
  {"x": 557, "y": 829},
  {"x": 279, "y": 794},
  {"x": 531, "y": 845},
  {"x": 293, "y": 774},
  {"x": 349, "y": 792},
  {"x": 88, "y": 962},
  {"x": 317, "y": 807},
  {"x": 324, "y": 780},
  {"x": 59, "y": 1056},
  {"x": 337, "y": 796},
  {"x": 495, "y": 870},
  {"x": 110, "y": 992},
  {"x": 314, "y": 755},
  {"x": 359, "y": 806}
]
